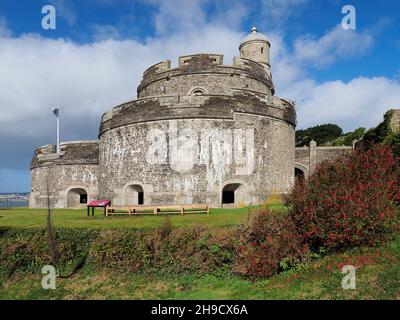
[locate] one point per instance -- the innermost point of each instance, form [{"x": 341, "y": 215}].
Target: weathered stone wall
[
  {"x": 183, "y": 162},
  {"x": 257, "y": 51},
  {"x": 64, "y": 175},
  {"x": 189, "y": 107},
  {"x": 174, "y": 145},
  {"x": 395, "y": 121},
  {"x": 62, "y": 179},
  {"x": 307, "y": 158},
  {"x": 204, "y": 71}
]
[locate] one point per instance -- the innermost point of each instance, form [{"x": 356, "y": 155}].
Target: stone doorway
[
  {"x": 77, "y": 198},
  {"x": 134, "y": 195},
  {"x": 232, "y": 194}
]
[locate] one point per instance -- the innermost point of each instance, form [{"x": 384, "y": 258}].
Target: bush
[
  {"x": 269, "y": 243},
  {"x": 27, "y": 250},
  {"x": 349, "y": 201}
]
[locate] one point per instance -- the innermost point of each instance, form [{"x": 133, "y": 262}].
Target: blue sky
[{"x": 100, "y": 48}]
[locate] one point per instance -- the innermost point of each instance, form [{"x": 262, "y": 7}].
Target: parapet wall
[
  {"x": 74, "y": 152},
  {"x": 206, "y": 71},
  {"x": 62, "y": 178},
  {"x": 307, "y": 158},
  {"x": 200, "y": 107}
]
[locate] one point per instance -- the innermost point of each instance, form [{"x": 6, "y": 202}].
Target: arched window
[{"x": 197, "y": 92}]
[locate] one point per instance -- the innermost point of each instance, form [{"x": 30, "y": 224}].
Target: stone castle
[{"x": 202, "y": 132}]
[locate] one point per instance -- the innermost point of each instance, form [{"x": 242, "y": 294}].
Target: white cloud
[
  {"x": 5, "y": 32},
  {"x": 336, "y": 44},
  {"x": 86, "y": 80},
  {"x": 105, "y": 32},
  {"x": 277, "y": 12},
  {"x": 65, "y": 10},
  {"x": 178, "y": 15},
  {"x": 360, "y": 102},
  {"x": 181, "y": 16}
]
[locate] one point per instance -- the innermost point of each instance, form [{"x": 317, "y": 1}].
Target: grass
[
  {"x": 77, "y": 218},
  {"x": 377, "y": 277},
  {"x": 378, "y": 269}
]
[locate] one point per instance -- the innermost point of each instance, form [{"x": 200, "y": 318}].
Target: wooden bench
[{"x": 158, "y": 209}]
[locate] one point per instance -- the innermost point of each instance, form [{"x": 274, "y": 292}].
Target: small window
[
  {"x": 197, "y": 92},
  {"x": 140, "y": 197},
  {"x": 83, "y": 198},
  {"x": 262, "y": 50}
]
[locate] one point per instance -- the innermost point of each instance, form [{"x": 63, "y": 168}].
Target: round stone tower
[
  {"x": 255, "y": 46},
  {"x": 202, "y": 132}
]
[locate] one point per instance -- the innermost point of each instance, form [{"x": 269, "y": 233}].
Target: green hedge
[{"x": 164, "y": 250}]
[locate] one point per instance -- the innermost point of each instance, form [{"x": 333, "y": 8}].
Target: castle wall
[
  {"x": 191, "y": 160},
  {"x": 307, "y": 158},
  {"x": 210, "y": 83},
  {"x": 252, "y": 50},
  {"x": 206, "y": 71},
  {"x": 395, "y": 121},
  {"x": 65, "y": 176},
  {"x": 231, "y": 140},
  {"x": 63, "y": 180}
]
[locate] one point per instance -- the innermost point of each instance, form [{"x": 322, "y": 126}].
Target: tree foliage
[
  {"x": 322, "y": 134},
  {"x": 349, "y": 201},
  {"x": 382, "y": 134},
  {"x": 348, "y": 138}
]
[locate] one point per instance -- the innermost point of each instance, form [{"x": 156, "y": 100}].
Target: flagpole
[
  {"x": 56, "y": 112},
  {"x": 58, "y": 130}
]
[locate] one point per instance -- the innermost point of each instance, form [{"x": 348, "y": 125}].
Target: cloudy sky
[{"x": 95, "y": 57}]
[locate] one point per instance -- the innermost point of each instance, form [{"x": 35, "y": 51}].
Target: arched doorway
[
  {"x": 232, "y": 194},
  {"x": 299, "y": 174},
  {"x": 134, "y": 195},
  {"x": 77, "y": 197}
]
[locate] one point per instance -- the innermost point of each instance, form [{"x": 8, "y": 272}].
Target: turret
[{"x": 255, "y": 46}]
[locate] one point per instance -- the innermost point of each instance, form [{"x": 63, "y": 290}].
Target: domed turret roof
[{"x": 254, "y": 35}]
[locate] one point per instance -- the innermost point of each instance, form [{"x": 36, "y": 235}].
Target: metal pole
[
  {"x": 58, "y": 130},
  {"x": 56, "y": 112}
]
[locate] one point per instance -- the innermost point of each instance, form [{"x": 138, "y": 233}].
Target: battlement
[
  {"x": 204, "y": 70},
  {"x": 201, "y": 59},
  {"x": 71, "y": 152},
  {"x": 158, "y": 68}
]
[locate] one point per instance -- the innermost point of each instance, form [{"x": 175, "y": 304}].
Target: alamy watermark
[
  {"x": 349, "y": 20},
  {"x": 184, "y": 149},
  {"x": 349, "y": 280},
  {"x": 49, "y": 21},
  {"x": 49, "y": 277}
]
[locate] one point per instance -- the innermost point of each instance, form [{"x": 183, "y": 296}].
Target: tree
[
  {"x": 382, "y": 134},
  {"x": 348, "y": 138},
  {"x": 322, "y": 134}
]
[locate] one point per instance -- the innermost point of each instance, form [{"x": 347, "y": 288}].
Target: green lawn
[
  {"x": 377, "y": 277},
  {"x": 378, "y": 269},
  {"x": 77, "y": 218}
]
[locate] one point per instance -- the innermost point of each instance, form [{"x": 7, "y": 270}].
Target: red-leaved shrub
[
  {"x": 269, "y": 242},
  {"x": 349, "y": 201}
]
